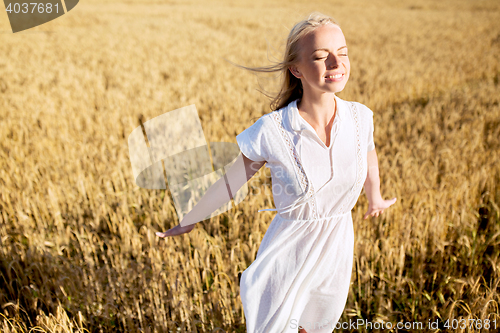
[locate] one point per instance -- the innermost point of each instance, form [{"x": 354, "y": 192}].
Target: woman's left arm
[{"x": 376, "y": 204}]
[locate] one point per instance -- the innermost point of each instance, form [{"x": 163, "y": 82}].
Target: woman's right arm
[{"x": 236, "y": 176}]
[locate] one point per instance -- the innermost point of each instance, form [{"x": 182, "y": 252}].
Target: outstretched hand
[
  {"x": 175, "y": 231},
  {"x": 376, "y": 208}
]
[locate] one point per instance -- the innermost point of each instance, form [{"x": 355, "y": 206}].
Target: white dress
[{"x": 302, "y": 271}]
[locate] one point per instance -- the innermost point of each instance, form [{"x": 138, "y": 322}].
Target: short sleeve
[
  {"x": 253, "y": 143},
  {"x": 371, "y": 143}
]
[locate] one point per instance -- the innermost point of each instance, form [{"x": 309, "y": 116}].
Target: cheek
[
  {"x": 315, "y": 68},
  {"x": 348, "y": 71},
  {"x": 348, "y": 65}
]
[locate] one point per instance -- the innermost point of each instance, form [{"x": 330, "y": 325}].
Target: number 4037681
[
  {"x": 471, "y": 323},
  {"x": 32, "y": 8}
]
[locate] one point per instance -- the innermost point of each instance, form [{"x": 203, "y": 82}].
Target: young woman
[{"x": 321, "y": 152}]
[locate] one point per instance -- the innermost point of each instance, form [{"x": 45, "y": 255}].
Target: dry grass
[{"x": 77, "y": 244}]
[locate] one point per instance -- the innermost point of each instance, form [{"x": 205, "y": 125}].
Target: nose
[{"x": 333, "y": 62}]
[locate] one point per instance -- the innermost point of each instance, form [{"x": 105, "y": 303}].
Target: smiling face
[{"x": 323, "y": 65}]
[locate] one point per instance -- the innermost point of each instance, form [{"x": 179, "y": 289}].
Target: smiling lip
[{"x": 335, "y": 77}]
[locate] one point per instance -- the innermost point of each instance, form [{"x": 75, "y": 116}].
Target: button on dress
[{"x": 302, "y": 272}]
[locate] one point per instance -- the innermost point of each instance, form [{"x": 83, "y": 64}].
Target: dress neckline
[{"x": 300, "y": 125}]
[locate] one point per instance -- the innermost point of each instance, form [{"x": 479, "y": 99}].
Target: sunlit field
[{"x": 78, "y": 250}]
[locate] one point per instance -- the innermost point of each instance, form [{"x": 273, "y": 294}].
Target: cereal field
[{"x": 78, "y": 250}]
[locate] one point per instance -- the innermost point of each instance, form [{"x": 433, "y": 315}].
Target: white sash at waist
[{"x": 308, "y": 220}]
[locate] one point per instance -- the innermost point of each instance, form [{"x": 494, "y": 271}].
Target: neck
[{"x": 318, "y": 110}]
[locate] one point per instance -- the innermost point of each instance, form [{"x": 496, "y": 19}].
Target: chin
[{"x": 337, "y": 89}]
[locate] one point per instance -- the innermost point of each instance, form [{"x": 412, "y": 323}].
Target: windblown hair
[{"x": 291, "y": 87}]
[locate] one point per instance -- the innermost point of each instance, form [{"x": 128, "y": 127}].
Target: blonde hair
[{"x": 291, "y": 87}]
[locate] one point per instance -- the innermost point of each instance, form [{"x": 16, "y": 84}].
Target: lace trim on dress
[
  {"x": 304, "y": 182},
  {"x": 359, "y": 173}
]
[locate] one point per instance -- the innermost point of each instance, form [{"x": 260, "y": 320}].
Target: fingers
[
  {"x": 372, "y": 214},
  {"x": 177, "y": 230},
  {"x": 171, "y": 232},
  {"x": 375, "y": 212},
  {"x": 387, "y": 204},
  {"x": 165, "y": 234},
  {"x": 390, "y": 202}
]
